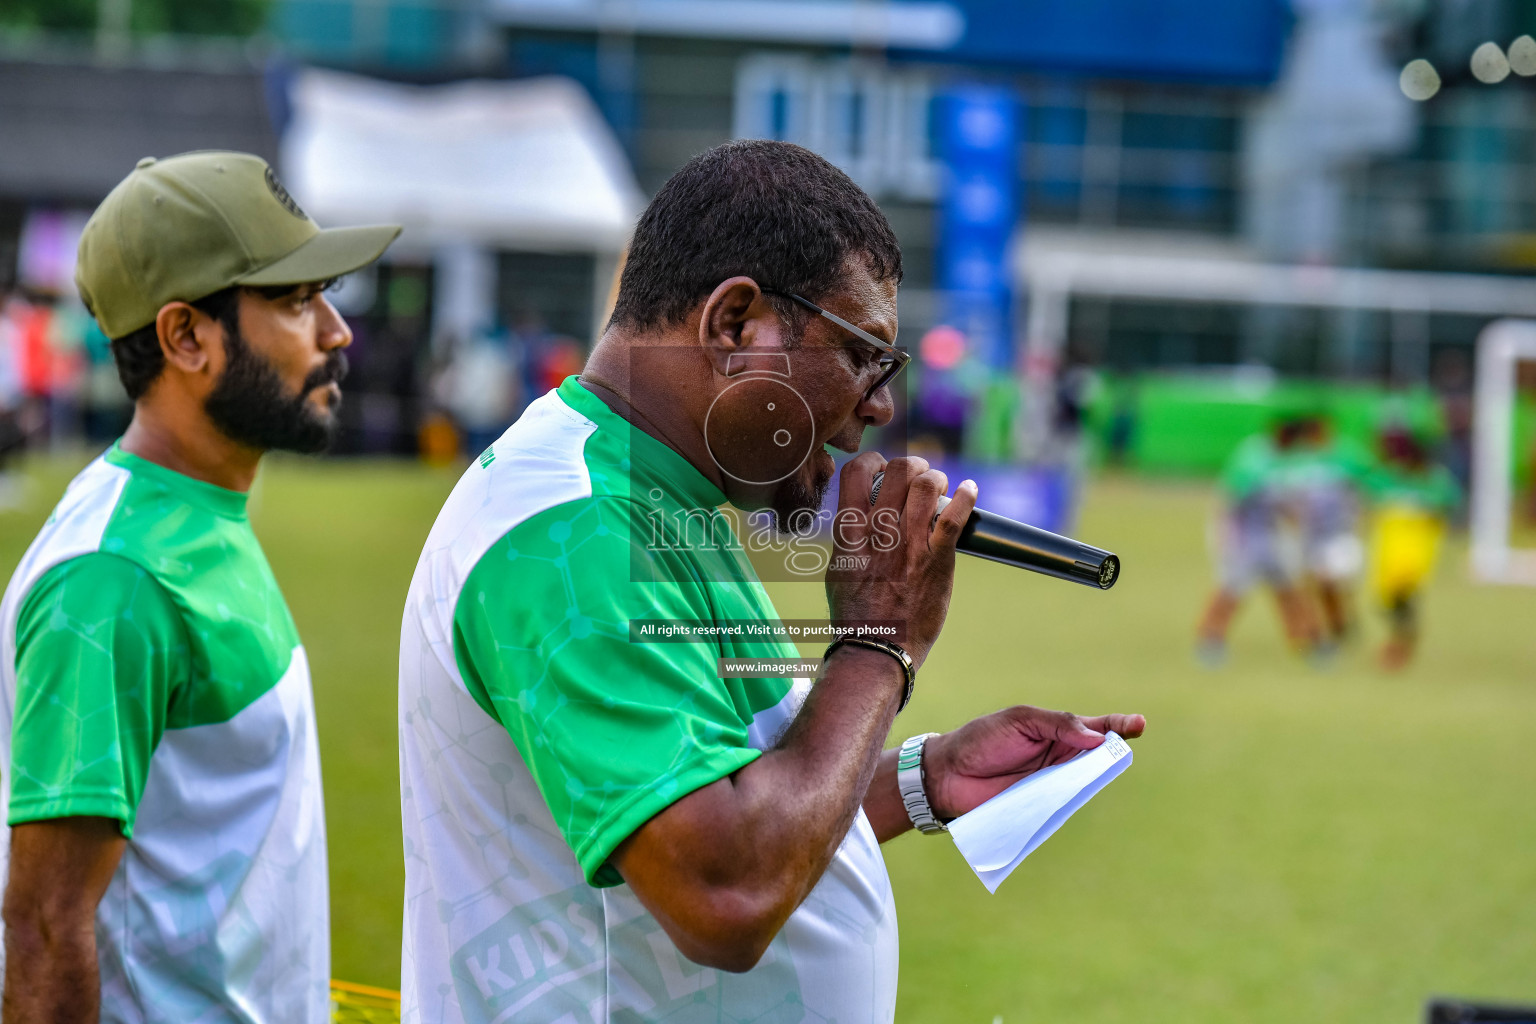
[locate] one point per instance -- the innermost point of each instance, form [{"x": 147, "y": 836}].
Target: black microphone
[{"x": 989, "y": 535}]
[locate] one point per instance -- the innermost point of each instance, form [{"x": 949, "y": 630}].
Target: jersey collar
[
  {"x": 216, "y": 499},
  {"x": 648, "y": 457}
]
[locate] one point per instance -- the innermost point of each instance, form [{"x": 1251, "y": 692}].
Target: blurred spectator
[
  {"x": 1452, "y": 381},
  {"x": 104, "y": 404},
  {"x": 550, "y": 357},
  {"x": 1122, "y": 425},
  {"x": 11, "y": 435},
  {"x": 480, "y": 389},
  {"x": 1076, "y": 387},
  {"x": 47, "y": 345}
]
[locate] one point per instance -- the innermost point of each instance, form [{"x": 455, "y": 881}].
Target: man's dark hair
[
  {"x": 138, "y": 356},
  {"x": 771, "y": 211}
]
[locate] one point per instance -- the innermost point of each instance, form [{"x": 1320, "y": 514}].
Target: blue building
[{"x": 1134, "y": 124}]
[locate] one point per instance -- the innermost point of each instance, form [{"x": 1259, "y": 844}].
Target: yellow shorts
[{"x": 1405, "y": 542}]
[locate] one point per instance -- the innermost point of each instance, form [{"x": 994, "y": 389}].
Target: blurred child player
[
  {"x": 1415, "y": 498},
  {"x": 1323, "y": 485},
  {"x": 1252, "y": 544}
]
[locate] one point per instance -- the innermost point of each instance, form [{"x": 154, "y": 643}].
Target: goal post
[{"x": 1501, "y": 347}]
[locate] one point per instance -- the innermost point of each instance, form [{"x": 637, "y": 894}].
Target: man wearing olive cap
[{"x": 164, "y": 855}]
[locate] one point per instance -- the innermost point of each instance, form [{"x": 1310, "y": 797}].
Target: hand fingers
[
  {"x": 1074, "y": 731},
  {"x": 899, "y": 474},
  {"x": 1128, "y": 726},
  {"x": 854, "y": 484},
  {"x": 923, "y": 505},
  {"x": 946, "y": 529},
  {"x": 1042, "y": 724},
  {"x": 857, "y": 478}
]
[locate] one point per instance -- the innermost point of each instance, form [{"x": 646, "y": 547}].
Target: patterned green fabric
[
  {"x": 101, "y": 653},
  {"x": 196, "y": 540},
  {"x": 175, "y": 621},
  {"x": 614, "y": 731}
]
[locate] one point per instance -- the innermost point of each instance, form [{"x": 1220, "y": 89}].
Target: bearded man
[{"x": 165, "y": 856}]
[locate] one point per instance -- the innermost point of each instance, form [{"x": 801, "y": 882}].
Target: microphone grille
[{"x": 1108, "y": 572}]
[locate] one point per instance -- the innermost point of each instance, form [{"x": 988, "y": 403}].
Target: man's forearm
[
  {"x": 50, "y": 975},
  {"x": 882, "y": 802},
  {"x": 723, "y": 868},
  {"x": 811, "y": 786}
]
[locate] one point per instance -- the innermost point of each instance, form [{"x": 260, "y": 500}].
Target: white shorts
[
  {"x": 1249, "y": 553},
  {"x": 1335, "y": 557}
]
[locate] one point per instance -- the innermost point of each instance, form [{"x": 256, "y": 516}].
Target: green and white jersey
[
  {"x": 535, "y": 736},
  {"x": 151, "y": 673}
]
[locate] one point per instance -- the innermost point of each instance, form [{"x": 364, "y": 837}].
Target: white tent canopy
[{"x": 513, "y": 165}]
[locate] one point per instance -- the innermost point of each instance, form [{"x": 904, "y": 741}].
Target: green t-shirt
[
  {"x": 1432, "y": 489},
  {"x": 1339, "y": 462},
  {"x": 1250, "y": 468},
  {"x": 152, "y": 674}
]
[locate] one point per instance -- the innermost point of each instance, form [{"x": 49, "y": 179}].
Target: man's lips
[{"x": 330, "y": 375}]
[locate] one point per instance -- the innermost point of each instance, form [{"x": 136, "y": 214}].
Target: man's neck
[
  {"x": 647, "y": 404},
  {"x": 197, "y": 450}
]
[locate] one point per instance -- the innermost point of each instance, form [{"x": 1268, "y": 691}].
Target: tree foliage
[{"x": 147, "y": 17}]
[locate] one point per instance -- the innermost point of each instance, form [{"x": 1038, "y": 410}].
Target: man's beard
[
  {"x": 250, "y": 406},
  {"x": 795, "y": 505}
]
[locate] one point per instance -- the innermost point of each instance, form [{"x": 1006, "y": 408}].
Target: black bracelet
[{"x": 908, "y": 669}]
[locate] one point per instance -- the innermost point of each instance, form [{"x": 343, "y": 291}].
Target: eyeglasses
[{"x": 891, "y": 360}]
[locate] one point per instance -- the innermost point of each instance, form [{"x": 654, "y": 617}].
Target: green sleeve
[
  {"x": 100, "y": 650},
  {"x": 612, "y": 732}
]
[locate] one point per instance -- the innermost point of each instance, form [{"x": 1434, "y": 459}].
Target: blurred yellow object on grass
[{"x": 363, "y": 1004}]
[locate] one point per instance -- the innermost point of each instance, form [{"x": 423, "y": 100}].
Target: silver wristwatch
[{"x": 909, "y": 780}]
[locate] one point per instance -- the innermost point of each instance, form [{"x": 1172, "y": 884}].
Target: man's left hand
[{"x": 969, "y": 766}]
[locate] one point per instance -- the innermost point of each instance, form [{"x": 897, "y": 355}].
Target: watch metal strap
[{"x": 910, "y": 780}]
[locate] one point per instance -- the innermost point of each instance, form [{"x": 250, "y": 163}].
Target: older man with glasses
[{"x": 601, "y": 828}]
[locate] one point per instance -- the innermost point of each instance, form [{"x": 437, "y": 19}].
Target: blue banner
[
  {"x": 978, "y": 211},
  {"x": 1239, "y": 41}
]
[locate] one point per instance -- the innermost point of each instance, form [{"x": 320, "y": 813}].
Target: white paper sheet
[{"x": 996, "y": 837}]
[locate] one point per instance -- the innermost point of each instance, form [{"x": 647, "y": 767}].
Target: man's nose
[
  {"x": 334, "y": 332},
  {"x": 876, "y": 410}
]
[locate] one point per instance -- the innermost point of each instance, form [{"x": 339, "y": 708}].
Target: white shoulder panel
[{"x": 537, "y": 464}]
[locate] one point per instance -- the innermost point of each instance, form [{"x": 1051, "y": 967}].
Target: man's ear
[
  {"x": 188, "y": 337},
  {"x": 737, "y": 318}
]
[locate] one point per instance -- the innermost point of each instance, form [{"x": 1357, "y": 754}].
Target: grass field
[{"x": 1291, "y": 845}]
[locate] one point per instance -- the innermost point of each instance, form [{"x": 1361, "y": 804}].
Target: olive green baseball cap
[{"x": 187, "y": 226}]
